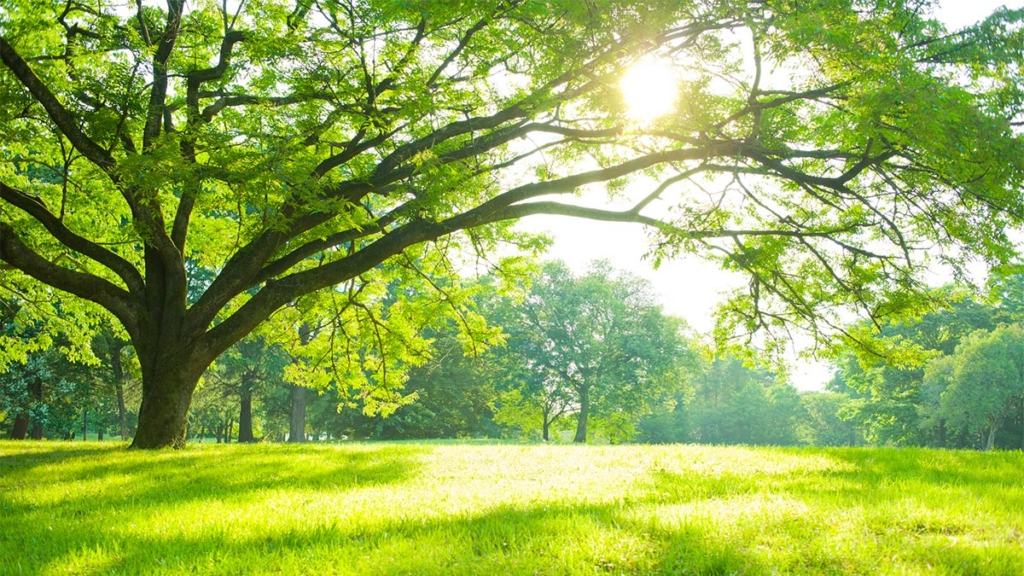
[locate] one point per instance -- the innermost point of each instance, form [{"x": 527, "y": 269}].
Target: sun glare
[{"x": 649, "y": 89}]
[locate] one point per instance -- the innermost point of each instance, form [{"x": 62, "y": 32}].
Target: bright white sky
[{"x": 689, "y": 287}]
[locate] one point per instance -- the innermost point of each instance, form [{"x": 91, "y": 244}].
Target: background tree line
[
  {"x": 580, "y": 357},
  {"x": 954, "y": 379}
]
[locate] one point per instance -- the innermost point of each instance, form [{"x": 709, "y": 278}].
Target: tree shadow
[
  {"x": 597, "y": 539},
  {"x": 88, "y": 483},
  {"x": 28, "y": 454}
]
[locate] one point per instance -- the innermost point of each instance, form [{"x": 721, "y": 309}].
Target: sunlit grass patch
[{"x": 409, "y": 508}]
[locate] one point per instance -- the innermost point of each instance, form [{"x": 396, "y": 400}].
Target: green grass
[{"x": 96, "y": 508}]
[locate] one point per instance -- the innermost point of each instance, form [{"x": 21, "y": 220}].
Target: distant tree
[
  {"x": 51, "y": 381},
  {"x": 112, "y": 351},
  {"x": 736, "y": 404},
  {"x": 454, "y": 393},
  {"x": 21, "y": 395},
  {"x": 891, "y": 402},
  {"x": 669, "y": 421},
  {"x": 596, "y": 346},
  {"x": 298, "y": 394},
  {"x": 820, "y": 423},
  {"x": 249, "y": 369},
  {"x": 985, "y": 380}
]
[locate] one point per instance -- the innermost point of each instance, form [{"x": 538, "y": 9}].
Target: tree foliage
[
  {"x": 961, "y": 384},
  {"x": 984, "y": 380},
  {"x": 595, "y": 347},
  {"x": 306, "y": 151}
]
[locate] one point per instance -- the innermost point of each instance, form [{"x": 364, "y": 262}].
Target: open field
[{"x": 95, "y": 508}]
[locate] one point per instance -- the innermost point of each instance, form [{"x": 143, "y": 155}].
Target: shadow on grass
[
  {"x": 22, "y": 455},
  {"x": 540, "y": 540},
  {"x": 76, "y": 493}
]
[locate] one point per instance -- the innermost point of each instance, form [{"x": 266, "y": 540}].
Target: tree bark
[
  {"x": 35, "y": 391},
  {"x": 581, "y": 423},
  {"x": 20, "y": 430},
  {"x": 991, "y": 442},
  {"x": 245, "y": 412},
  {"x": 118, "y": 370},
  {"x": 546, "y": 431},
  {"x": 166, "y": 395},
  {"x": 85, "y": 425},
  {"x": 297, "y": 422},
  {"x": 23, "y": 420}
]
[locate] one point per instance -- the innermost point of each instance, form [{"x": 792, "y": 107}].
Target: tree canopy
[
  {"x": 594, "y": 347},
  {"x": 313, "y": 153}
]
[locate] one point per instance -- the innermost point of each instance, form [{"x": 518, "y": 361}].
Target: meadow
[{"x": 413, "y": 508}]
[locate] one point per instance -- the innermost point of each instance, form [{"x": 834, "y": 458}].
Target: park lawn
[{"x": 406, "y": 508}]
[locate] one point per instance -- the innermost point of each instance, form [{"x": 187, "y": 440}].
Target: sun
[{"x": 649, "y": 89}]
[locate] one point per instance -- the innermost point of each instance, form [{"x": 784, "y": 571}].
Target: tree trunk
[
  {"x": 118, "y": 370},
  {"x": 245, "y": 413},
  {"x": 24, "y": 419},
  {"x": 297, "y": 422},
  {"x": 228, "y": 431},
  {"x": 99, "y": 433},
  {"x": 20, "y": 430},
  {"x": 546, "y": 430},
  {"x": 35, "y": 391},
  {"x": 991, "y": 439},
  {"x": 166, "y": 395},
  {"x": 85, "y": 425},
  {"x": 581, "y": 423}
]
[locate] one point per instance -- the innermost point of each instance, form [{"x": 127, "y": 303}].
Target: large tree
[
  {"x": 295, "y": 146},
  {"x": 984, "y": 380}
]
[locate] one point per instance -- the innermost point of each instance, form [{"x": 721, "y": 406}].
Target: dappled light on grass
[{"x": 464, "y": 509}]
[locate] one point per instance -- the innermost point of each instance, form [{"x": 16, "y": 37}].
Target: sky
[{"x": 687, "y": 286}]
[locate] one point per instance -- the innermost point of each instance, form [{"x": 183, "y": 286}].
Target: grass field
[{"x": 96, "y": 508}]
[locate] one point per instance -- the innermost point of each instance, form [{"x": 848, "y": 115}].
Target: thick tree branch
[
  {"x": 277, "y": 293},
  {"x": 158, "y": 90},
  {"x": 631, "y": 215},
  {"x": 35, "y": 208},
  {"x": 283, "y": 264},
  {"x": 55, "y": 110},
  {"x": 195, "y": 79},
  {"x": 93, "y": 288}
]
